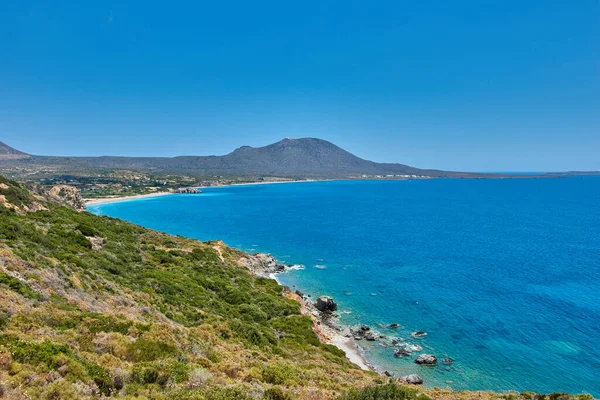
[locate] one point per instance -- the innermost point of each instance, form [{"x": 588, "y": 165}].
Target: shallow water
[{"x": 502, "y": 274}]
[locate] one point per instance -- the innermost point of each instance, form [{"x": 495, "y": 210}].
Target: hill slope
[
  {"x": 298, "y": 158},
  {"x": 93, "y": 306},
  {"x": 8, "y": 153}
]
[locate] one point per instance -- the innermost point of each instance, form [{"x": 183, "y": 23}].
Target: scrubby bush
[
  {"x": 224, "y": 393},
  {"x": 390, "y": 391},
  {"x": 18, "y": 286},
  {"x": 276, "y": 394},
  {"x": 59, "y": 390},
  {"x": 148, "y": 350},
  {"x": 279, "y": 374}
]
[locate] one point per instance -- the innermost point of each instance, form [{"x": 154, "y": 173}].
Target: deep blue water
[{"x": 504, "y": 275}]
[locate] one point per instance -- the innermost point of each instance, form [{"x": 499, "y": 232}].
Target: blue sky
[{"x": 465, "y": 85}]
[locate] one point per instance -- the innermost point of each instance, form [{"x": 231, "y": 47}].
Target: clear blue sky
[{"x": 465, "y": 85}]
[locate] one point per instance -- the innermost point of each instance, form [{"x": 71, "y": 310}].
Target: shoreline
[
  {"x": 105, "y": 200},
  {"x": 324, "y": 324},
  {"x": 330, "y": 333}
]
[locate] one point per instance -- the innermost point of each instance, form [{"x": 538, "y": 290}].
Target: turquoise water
[{"x": 503, "y": 275}]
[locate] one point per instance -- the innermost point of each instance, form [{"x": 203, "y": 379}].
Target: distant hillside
[
  {"x": 8, "y": 153},
  {"x": 291, "y": 158}
]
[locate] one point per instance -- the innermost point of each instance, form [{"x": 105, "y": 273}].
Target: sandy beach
[
  {"x": 113, "y": 199},
  {"x": 102, "y": 200},
  {"x": 353, "y": 352}
]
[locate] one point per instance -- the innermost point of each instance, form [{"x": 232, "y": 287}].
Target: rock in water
[
  {"x": 413, "y": 379},
  {"x": 426, "y": 359},
  {"x": 401, "y": 353},
  {"x": 370, "y": 337},
  {"x": 326, "y": 304}
]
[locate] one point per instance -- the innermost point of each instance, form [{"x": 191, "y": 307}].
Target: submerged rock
[
  {"x": 401, "y": 353},
  {"x": 393, "y": 326},
  {"x": 370, "y": 337},
  {"x": 418, "y": 334},
  {"x": 325, "y": 304},
  {"x": 413, "y": 379},
  {"x": 426, "y": 359}
]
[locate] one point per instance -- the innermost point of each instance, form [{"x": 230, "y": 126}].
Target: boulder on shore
[
  {"x": 413, "y": 379},
  {"x": 325, "y": 304},
  {"x": 426, "y": 359},
  {"x": 262, "y": 264}
]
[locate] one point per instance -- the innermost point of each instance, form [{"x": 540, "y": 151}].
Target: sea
[{"x": 502, "y": 274}]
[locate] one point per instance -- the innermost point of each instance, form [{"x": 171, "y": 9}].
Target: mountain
[
  {"x": 8, "y": 153},
  {"x": 291, "y": 158}
]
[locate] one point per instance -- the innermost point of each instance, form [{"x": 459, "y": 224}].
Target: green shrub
[
  {"x": 224, "y": 393},
  {"x": 160, "y": 373},
  {"x": 18, "y": 286},
  {"x": 279, "y": 374},
  {"x": 147, "y": 350},
  {"x": 51, "y": 356},
  {"x": 276, "y": 394},
  {"x": 59, "y": 390},
  {"x": 390, "y": 391},
  {"x": 86, "y": 229}
]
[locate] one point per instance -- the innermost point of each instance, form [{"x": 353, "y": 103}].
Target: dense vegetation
[{"x": 94, "y": 307}]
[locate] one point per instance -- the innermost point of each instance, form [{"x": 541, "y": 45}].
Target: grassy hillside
[{"x": 92, "y": 307}]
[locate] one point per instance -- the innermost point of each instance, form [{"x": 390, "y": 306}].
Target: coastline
[
  {"x": 324, "y": 323},
  {"x": 326, "y": 331},
  {"x": 104, "y": 200},
  {"x": 350, "y": 347},
  {"x": 330, "y": 333}
]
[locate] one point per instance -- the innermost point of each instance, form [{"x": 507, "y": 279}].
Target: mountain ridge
[
  {"x": 290, "y": 158},
  {"x": 7, "y": 152}
]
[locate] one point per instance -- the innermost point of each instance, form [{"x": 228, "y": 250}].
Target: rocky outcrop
[
  {"x": 426, "y": 359},
  {"x": 412, "y": 379},
  {"x": 262, "y": 264},
  {"x": 326, "y": 304},
  {"x": 67, "y": 195}
]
